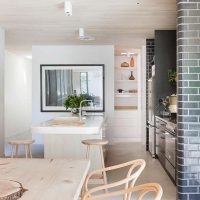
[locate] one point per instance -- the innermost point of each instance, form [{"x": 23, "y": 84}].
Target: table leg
[
  {"x": 16, "y": 150},
  {"x": 26, "y": 150}
]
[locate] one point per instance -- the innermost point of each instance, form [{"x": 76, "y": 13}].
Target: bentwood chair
[
  {"x": 141, "y": 190},
  {"x": 135, "y": 168}
]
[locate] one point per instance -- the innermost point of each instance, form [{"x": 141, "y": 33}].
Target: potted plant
[
  {"x": 172, "y": 77},
  {"x": 73, "y": 102}
]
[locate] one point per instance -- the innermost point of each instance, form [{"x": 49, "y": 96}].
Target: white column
[{"x": 2, "y": 57}]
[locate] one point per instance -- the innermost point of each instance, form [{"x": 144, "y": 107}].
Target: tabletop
[{"x": 46, "y": 179}]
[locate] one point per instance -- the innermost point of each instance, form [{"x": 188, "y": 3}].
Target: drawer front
[
  {"x": 161, "y": 158},
  {"x": 171, "y": 170}
]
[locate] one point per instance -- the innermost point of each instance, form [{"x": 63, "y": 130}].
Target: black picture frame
[{"x": 62, "y": 65}]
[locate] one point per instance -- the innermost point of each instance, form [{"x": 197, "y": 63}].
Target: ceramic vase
[
  {"x": 132, "y": 62},
  {"x": 131, "y": 76}
]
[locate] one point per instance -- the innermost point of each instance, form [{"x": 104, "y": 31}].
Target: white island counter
[{"x": 63, "y": 136}]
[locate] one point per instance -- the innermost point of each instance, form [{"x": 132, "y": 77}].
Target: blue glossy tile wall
[{"x": 188, "y": 141}]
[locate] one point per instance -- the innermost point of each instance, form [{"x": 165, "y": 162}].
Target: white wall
[
  {"x": 83, "y": 54},
  {"x": 18, "y": 95},
  {"x": 2, "y": 47}
]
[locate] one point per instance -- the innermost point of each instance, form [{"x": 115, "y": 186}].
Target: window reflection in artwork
[{"x": 84, "y": 82}]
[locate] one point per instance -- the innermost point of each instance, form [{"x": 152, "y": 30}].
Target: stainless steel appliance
[
  {"x": 170, "y": 149},
  {"x": 166, "y": 142},
  {"x": 151, "y": 117}
]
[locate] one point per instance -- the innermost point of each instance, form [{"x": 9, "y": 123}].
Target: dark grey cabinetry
[{"x": 165, "y": 59}]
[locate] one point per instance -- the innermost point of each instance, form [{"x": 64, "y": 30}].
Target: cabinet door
[{"x": 152, "y": 140}]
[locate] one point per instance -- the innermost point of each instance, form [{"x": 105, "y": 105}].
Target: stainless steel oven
[
  {"x": 161, "y": 151},
  {"x": 166, "y": 142},
  {"x": 170, "y": 145},
  {"x": 170, "y": 154}
]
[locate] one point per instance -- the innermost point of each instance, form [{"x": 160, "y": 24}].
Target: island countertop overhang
[{"x": 92, "y": 125}]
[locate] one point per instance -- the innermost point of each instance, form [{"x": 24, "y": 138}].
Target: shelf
[
  {"x": 126, "y": 68},
  {"x": 126, "y": 81},
  {"x": 125, "y": 95},
  {"x": 125, "y": 107}
]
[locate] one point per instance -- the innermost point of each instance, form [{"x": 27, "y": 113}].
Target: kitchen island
[{"x": 63, "y": 136}]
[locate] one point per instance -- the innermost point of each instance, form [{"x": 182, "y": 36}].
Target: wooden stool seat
[
  {"x": 95, "y": 142},
  {"x": 25, "y": 143},
  {"x": 18, "y": 142}
]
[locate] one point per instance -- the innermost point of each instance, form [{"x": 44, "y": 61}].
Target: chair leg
[
  {"x": 29, "y": 149},
  {"x": 16, "y": 150},
  {"x": 103, "y": 166},
  {"x": 88, "y": 152},
  {"x": 12, "y": 150},
  {"x": 26, "y": 150}
]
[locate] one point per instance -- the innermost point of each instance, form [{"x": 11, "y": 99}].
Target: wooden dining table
[{"x": 46, "y": 179}]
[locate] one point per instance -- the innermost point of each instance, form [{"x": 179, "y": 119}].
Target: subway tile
[
  {"x": 182, "y": 126},
  {"x": 182, "y": 182},
  {"x": 194, "y": 182},
  {"x": 194, "y": 196},
  {"x": 194, "y": 98},
  {"x": 188, "y": 133},
  {"x": 188, "y": 63},
  {"x": 183, "y": 98},
  {"x": 187, "y": 19},
  {"x": 188, "y": 6},
  {"x": 194, "y": 69},
  {"x": 187, "y": 189},
  {"x": 194, "y": 140},
  {"x": 183, "y": 69},
  {"x": 192, "y": 13},
  {"x": 190, "y": 105},
  {"x": 188, "y": 119},
  {"x": 182, "y": 196},
  {"x": 193, "y": 27},
  {"x": 188, "y": 175},
  {"x": 186, "y": 91},
  {"x": 194, "y": 112},
  {"x": 188, "y": 34}
]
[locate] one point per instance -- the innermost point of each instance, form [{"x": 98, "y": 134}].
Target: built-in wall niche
[{"x": 126, "y": 82}]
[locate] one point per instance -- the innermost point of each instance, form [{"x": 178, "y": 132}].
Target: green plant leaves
[
  {"x": 73, "y": 101},
  {"x": 172, "y": 76}
]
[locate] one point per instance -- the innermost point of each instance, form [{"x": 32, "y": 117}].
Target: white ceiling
[{"x": 122, "y": 23}]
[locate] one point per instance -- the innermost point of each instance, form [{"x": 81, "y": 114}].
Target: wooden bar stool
[
  {"x": 100, "y": 143},
  {"x": 27, "y": 147}
]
